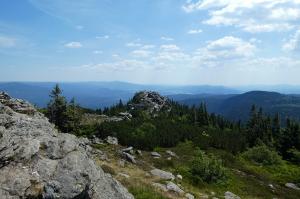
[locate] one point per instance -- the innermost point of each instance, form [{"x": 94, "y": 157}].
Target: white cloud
[
  {"x": 120, "y": 65},
  {"x": 133, "y": 44},
  {"x": 103, "y": 37},
  {"x": 255, "y": 28},
  {"x": 171, "y": 47},
  {"x": 195, "y": 31},
  {"x": 146, "y": 47},
  {"x": 227, "y": 48},
  {"x": 97, "y": 52},
  {"x": 73, "y": 44},
  {"x": 255, "y": 40},
  {"x": 294, "y": 43},
  {"x": 7, "y": 42},
  {"x": 166, "y": 38},
  {"x": 285, "y": 13},
  {"x": 141, "y": 53},
  {"x": 250, "y": 15}
]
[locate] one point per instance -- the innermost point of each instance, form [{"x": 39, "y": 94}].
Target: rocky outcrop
[
  {"x": 149, "y": 101},
  {"x": 38, "y": 162}
]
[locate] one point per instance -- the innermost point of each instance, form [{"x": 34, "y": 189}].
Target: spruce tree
[{"x": 56, "y": 109}]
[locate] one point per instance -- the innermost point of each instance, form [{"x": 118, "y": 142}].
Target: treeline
[
  {"x": 207, "y": 130},
  {"x": 182, "y": 123}
]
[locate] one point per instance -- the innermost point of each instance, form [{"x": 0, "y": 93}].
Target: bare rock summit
[{"x": 36, "y": 161}]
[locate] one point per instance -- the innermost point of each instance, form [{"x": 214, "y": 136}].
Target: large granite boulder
[
  {"x": 36, "y": 161},
  {"x": 150, "y": 101}
]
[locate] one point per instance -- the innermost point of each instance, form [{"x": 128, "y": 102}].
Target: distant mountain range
[
  {"x": 99, "y": 94},
  {"x": 233, "y": 103},
  {"x": 237, "y": 106}
]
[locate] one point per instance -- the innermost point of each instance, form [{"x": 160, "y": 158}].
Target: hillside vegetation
[{"x": 258, "y": 159}]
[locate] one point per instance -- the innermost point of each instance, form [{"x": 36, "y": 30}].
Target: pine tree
[
  {"x": 56, "y": 109},
  {"x": 73, "y": 118}
]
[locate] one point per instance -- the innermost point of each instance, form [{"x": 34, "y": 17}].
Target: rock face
[
  {"x": 38, "y": 162},
  {"x": 150, "y": 101}
]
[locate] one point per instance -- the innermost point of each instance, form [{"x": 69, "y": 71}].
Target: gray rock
[
  {"x": 155, "y": 154},
  {"x": 151, "y": 102},
  {"x": 292, "y": 186},
  {"x": 139, "y": 152},
  {"x": 179, "y": 177},
  {"x": 128, "y": 149},
  {"x": 189, "y": 196},
  {"x": 112, "y": 140},
  {"x": 96, "y": 140},
  {"x": 162, "y": 174},
  {"x": 125, "y": 115},
  {"x": 230, "y": 195},
  {"x": 175, "y": 188},
  {"x": 38, "y": 162},
  {"x": 171, "y": 153},
  {"x": 129, "y": 157},
  {"x": 124, "y": 175}
]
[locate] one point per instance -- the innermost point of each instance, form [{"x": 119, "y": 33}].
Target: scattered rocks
[
  {"x": 189, "y": 196},
  {"x": 162, "y": 174},
  {"x": 125, "y": 115},
  {"x": 36, "y": 161},
  {"x": 169, "y": 158},
  {"x": 155, "y": 154},
  {"x": 128, "y": 150},
  {"x": 292, "y": 186},
  {"x": 175, "y": 188},
  {"x": 112, "y": 140},
  {"x": 160, "y": 186},
  {"x": 230, "y": 195},
  {"x": 171, "y": 153},
  {"x": 96, "y": 140},
  {"x": 129, "y": 157}
]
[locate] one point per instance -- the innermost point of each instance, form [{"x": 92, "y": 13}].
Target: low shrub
[
  {"x": 207, "y": 169},
  {"x": 108, "y": 169},
  {"x": 262, "y": 155},
  {"x": 294, "y": 155}
]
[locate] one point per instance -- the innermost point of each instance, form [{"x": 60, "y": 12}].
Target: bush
[
  {"x": 262, "y": 155},
  {"x": 206, "y": 168},
  {"x": 108, "y": 169},
  {"x": 294, "y": 155}
]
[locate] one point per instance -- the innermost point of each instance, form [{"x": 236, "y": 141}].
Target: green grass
[{"x": 143, "y": 192}]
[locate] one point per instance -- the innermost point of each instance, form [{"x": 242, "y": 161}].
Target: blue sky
[{"x": 219, "y": 42}]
